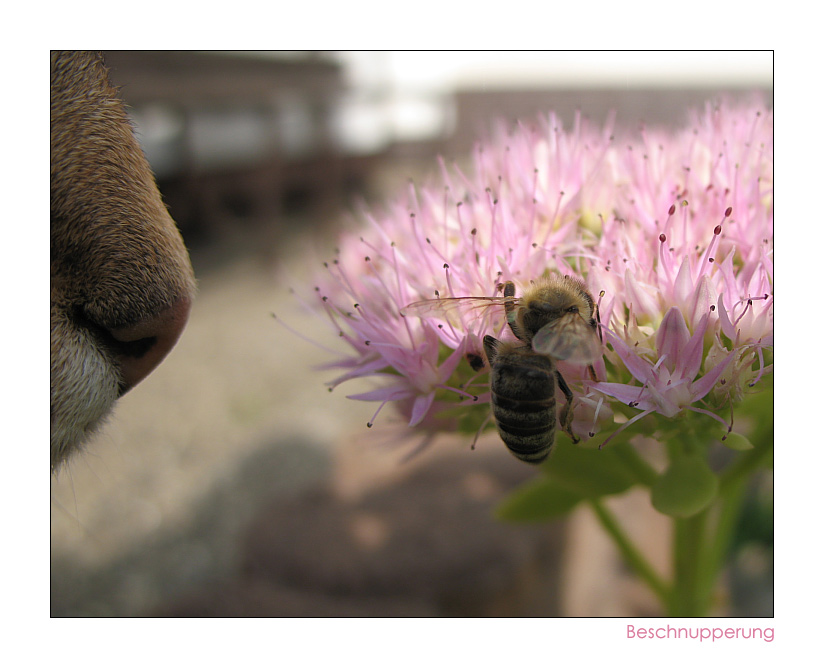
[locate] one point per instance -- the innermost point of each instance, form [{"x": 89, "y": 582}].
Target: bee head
[{"x": 553, "y": 299}]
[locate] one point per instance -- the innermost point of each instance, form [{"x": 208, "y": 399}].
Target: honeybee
[{"x": 555, "y": 319}]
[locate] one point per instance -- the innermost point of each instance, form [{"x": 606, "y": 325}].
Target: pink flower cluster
[{"x": 672, "y": 232}]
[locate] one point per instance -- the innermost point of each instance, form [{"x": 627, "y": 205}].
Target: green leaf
[
  {"x": 736, "y": 441},
  {"x": 573, "y": 474},
  {"x": 537, "y": 501},
  {"x": 685, "y": 488},
  {"x": 590, "y": 473}
]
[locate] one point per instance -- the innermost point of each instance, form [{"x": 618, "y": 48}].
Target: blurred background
[{"x": 231, "y": 482}]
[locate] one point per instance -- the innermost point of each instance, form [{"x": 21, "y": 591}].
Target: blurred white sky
[
  {"x": 404, "y": 95},
  {"x": 447, "y": 70}
]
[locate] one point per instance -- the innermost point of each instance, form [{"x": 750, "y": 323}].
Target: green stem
[
  {"x": 689, "y": 597},
  {"x": 702, "y": 541},
  {"x": 726, "y": 512},
  {"x": 731, "y": 491},
  {"x": 631, "y": 555}
]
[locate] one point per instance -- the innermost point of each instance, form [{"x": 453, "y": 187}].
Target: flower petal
[
  {"x": 672, "y": 337},
  {"x": 420, "y": 408}
]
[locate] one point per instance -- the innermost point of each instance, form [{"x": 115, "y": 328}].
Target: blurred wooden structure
[
  {"x": 255, "y": 146},
  {"x": 280, "y": 172}
]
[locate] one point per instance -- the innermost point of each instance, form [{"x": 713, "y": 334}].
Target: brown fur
[{"x": 119, "y": 270}]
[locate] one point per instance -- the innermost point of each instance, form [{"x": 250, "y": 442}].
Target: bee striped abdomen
[{"x": 523, "y": 403}]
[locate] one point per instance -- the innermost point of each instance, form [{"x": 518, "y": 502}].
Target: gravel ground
[{"x": 233, "y": 415}]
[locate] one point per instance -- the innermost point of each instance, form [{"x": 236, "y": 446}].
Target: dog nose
[{"x": 142, "y": 346}]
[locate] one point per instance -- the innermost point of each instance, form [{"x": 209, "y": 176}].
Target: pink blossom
[{"x": 672, "y": 232}]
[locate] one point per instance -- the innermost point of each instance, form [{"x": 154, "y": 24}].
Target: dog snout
[{"x": 139, "y": 348}]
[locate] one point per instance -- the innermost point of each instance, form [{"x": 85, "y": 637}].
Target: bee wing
[
  {"x": 446, "y": 306},
  {"x": 569, "y": 338}
]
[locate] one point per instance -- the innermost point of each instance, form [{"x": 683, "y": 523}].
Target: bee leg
[
  {"x": 509, "y": 307},
  {"x": 509, "y": 289},
  {"x": 566, "y": 415},
  {"x": 490, "y": 346},
  {"x": 595, "y": 323}
]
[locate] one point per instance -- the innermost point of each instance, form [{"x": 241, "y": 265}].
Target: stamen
[
  {"x": 301, "y": 335},
  {"x": 625, "y": 425},
  {"x": 664, "y": 260},
  {"x": 480, "y": 430},
  {"x": 371, "y": 422},
  {"x": 466, "y": 395},
  {"x": 760, "y": 354},
  {"x": 595, "y": 417},
  {"x": 417, "y": 235},
  {"x": 708, "y": 254},
  {"x": 714, "y": 417},
  {"x": 668, "y": 221},
  {"x": 449, "y": 280}
]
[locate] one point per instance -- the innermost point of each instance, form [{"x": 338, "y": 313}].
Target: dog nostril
[{"x": 141, "y": 347}]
